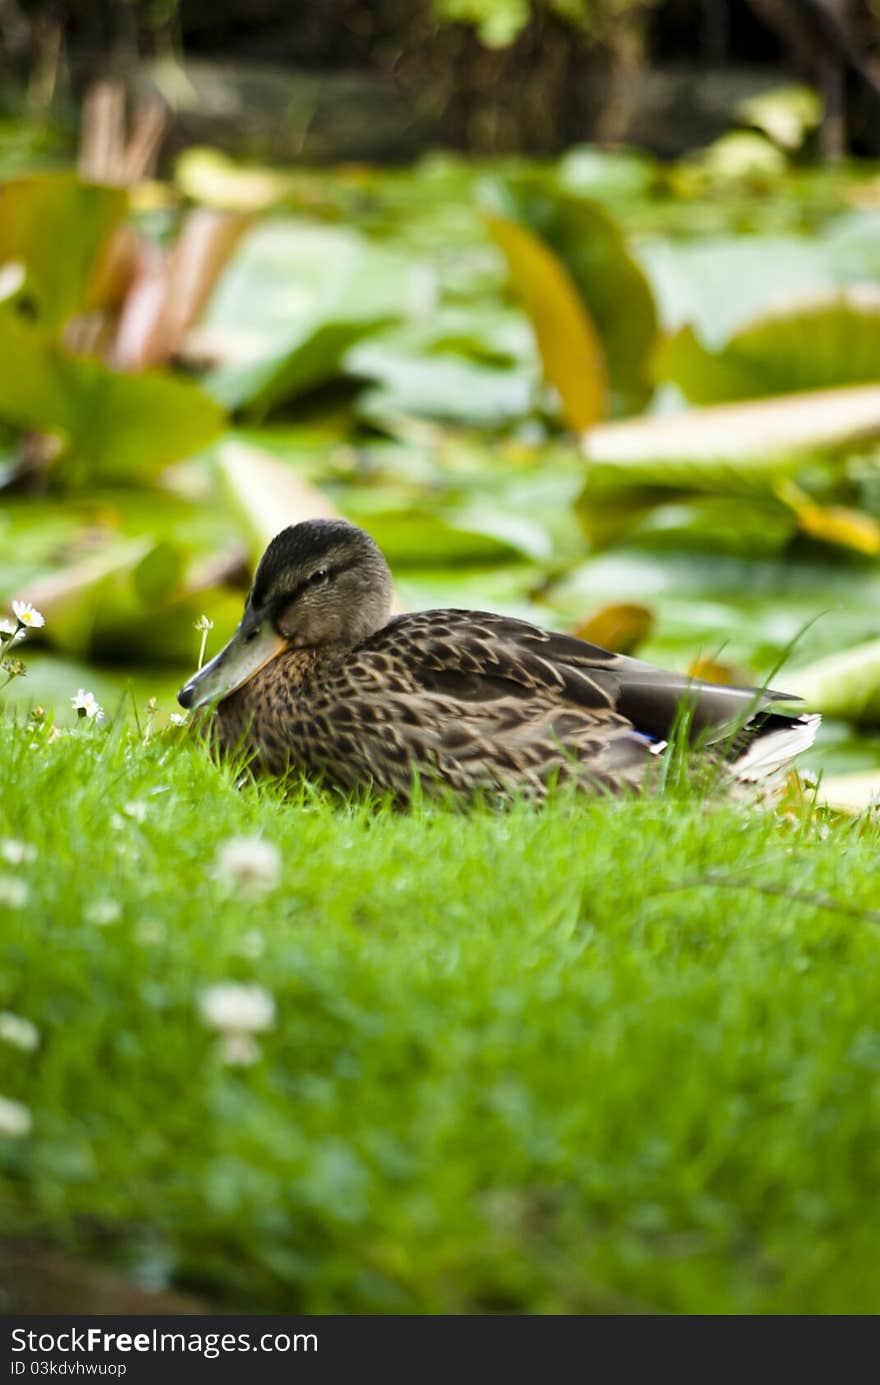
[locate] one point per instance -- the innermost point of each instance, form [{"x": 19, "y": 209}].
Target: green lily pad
[
  {"x": 441, "y": 386},
  {"x": 297, "y": 296},
  {"x": 113, "y": 426},
  {"x": 831, "y": 340},
  {"x": 311, "y": 356},
  {"x": 56, "y": 226},
  {"x": 731, "y": 447},
  {"x": 844, "y": 685}
]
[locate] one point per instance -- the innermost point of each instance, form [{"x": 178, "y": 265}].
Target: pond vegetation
[{"x": 497, "y": 369}]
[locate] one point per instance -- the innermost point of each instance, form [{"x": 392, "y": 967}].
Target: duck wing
[
  {"x": 486, "y": 701},
  {"x": 462, "y": 649}
]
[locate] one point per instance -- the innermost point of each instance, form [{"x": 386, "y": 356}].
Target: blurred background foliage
[{"x": 574, "y": 306}]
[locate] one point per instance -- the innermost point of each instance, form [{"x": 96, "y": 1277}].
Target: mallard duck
[{"x": 319, "y": 678}]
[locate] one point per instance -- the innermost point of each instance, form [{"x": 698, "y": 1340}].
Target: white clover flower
[
  {"x": 249, "y": 863},
  {"x": 178, "y": 719},
  {"x": 18, "y": 1031},
  {"x": 238, "y": 1012},
  {"x": 103, "y": 912},
  {"x": 235, "y": 1008},
  {"x": 15, "y": 1120},
  {"x": 28, "y": 615},
  {"x": 85, "y": 704},
  {"x": 14, "y": 893},
  {"x": 16, "y": 853}
]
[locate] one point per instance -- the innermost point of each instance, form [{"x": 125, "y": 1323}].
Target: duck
[{"x": 321, "y": 679}]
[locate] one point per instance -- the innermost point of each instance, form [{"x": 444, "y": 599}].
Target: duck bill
[{"x": 235, "y": 665}]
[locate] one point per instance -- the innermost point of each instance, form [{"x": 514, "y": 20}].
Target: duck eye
[{"x": 319, "y": 576}]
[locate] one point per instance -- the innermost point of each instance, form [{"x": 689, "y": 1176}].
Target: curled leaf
[
  {"x": 610, "y": 284},
  {"x": 837, "y": 524},
  {"x": 818, "y": 342},
  {"x": 620, "y": 628},
  {"x": 731, "y": 447},
  {"x": 569, "y": 344},
  {"x": 712, "y": 671},
  {"x": 267, "y": 494}
]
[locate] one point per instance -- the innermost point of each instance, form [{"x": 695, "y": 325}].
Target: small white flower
[
  {"x": 178, "y": 719},
  {"x": 87, "y": 705},
  {"x": 16, "y": 853},
  {"x": 103, "y": 912},
  {"x": 135, "y": 810},
  {"x": 18, "y": 1031},
  {"x": 203, "y": 625},
  {"x": 14, "y": 893},
  {"x": 15, "y": 1120},
  {"x": 249, "y": 863},
  {"x": 237, "y": 1009},
  {"x": 28, "y": 615}
]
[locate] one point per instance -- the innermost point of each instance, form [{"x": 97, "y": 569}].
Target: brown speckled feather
[{"x": 478, "y": 701}]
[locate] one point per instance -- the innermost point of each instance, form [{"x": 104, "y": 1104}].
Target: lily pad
[
  {"x": 731, "y": 447},
  {"x": 833, "y": 339},
  {"x": 113, "y": 426},
  {"x": 441, "y": 386},
  {"x": 845, "y": 685},
  {"x": 718, "y": 282},
  {"x": 609, "y": 176},
  {"x": 298, "y": 296},
  {"x": 311, "y": 356},
  {"x": 57, "y": 226}
]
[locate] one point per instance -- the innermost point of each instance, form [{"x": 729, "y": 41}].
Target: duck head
[{"x": 319, "y": 584}]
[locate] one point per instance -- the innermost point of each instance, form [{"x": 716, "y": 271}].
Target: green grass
[{"x": 524, "y": 1061}]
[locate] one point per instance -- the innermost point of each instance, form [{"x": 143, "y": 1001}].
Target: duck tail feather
[{"x": 775, "y": 746}]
